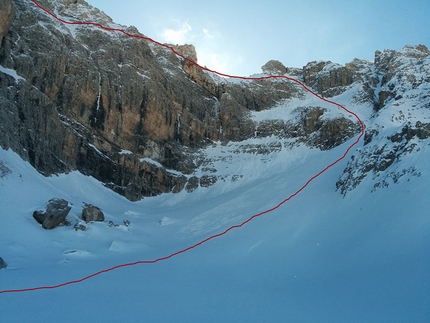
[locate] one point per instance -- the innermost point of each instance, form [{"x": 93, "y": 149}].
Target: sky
[{"x": 238, "y": 37}]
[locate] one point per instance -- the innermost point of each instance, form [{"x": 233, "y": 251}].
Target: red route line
[{"x": 140, "y": 262}]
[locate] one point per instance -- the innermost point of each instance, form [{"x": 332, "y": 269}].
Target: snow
[
  {"x": 125, "y": 152},
  {"x": 99, "y": 93},
  {"x": 97, "y": 150},
  {"x": 151, "y": 161},
  {"x": 74, "y": 30},
  {"x": 318, "y": 258},
  {"x": 156, "y": 163},
  {"x": 287, "y": 109},
  {"x": 12, "y": 73}
]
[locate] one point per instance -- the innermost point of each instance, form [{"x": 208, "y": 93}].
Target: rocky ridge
[
  {"x": 398, "y": 90},
  {"x": 136, "y": 117}
]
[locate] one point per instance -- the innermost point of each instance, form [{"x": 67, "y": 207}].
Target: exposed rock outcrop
[
  {"x": 399, "y": 85},
  {"x": 92, "y": 213},
  {"x": 54, "y": 214},
  {"x": 96, "y": 94},
  {"x": 274, "y": 67},
  {"x": 192, "y": 184},
  {"x": 132, "y": 114},
  {"x": 80, "y": 226},
  {"x": 3, "y": 263},
  {"x": 7, "y": 13},
  {"x": 309, "y": 127},
  {"x": 330, "y": 79},
  {"x": 195, "y": 72},
  {"x": 84, "y": 96},
  {"x": 392, "y": 74},
  {"x": 376, "y": 160}
]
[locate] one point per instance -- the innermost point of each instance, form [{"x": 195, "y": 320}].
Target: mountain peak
[{"x": 76, "y": 10}]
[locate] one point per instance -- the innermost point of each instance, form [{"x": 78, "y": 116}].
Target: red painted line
[{"x": 141, "y": 262}]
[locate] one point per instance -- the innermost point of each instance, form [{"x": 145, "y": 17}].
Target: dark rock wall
[
  {"x": 7, "y": 13},
  {"x": 84, "y": 95},
  {"x": 103, "y": 103}
]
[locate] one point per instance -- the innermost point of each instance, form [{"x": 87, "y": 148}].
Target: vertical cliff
[
  {"x": 7, "y": 13},
  {"x": 128, "y": 112}
]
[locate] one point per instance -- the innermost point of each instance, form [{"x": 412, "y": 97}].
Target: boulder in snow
[
  {"x": 92, "y": 213},
  {"x": 3, "y": 263},
  {"x": 55, "y": 213},
  {"x": 80, "y": 227}
]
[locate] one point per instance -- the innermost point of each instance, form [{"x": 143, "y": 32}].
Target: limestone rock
[
  {"x": 422, "y": 48},
  {"x": 7, "y": 13},
  {"x": 274, "y": 67},
  {"x": 324, "y": 77},
  {"x": 92, "y": 213},
  {"x": 187, "y": 50},
  {"x": 192, "y": 184},
  {"x": 196, "y": 73},
  {"x": 54, "y": 214},
  {"x": 79, "y": 226},
  {"x": 376, "y": 160},
  {"x": 3, "y": 263},
  {"x": 208, "y": 180},
  {"x": 392, "y": 66},
  {"x": 99, "y": 95},
  {"x": 308, "y": 127}
]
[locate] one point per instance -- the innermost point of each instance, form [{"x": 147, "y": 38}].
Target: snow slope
[{"x": 321, "y": 257}]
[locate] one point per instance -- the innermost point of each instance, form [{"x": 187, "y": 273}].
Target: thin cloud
[
  {"x": 178, "y": 36},
  {"x": 209, "y": 51},
  {"x": 213, "y": 61},
  {"x": 212, "y": 50}
]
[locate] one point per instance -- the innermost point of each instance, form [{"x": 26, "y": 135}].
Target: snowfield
[{"x": 320, "y": 257}]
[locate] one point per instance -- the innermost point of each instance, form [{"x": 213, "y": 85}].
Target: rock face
[
  {"x": 374, "y": 160},
  {"x": 55, "y": 213},
  {"x": 132, "y": 114},
  {"x": 114, "y": 107},
  {"x": 3, "y": 263},
  {"x": 92, "y": 213},
  {"x": 7, "y": 14},
  {"x": 399, "y": 87},
  {"x": 330, "y": 79},
  {"x": 308, "y": 127},
  {"x": 196, "y": 73},
  {"x": 274, "y": 68}
]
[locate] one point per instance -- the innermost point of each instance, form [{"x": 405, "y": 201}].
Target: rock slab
[
  {"x": 7, "y": 13},
  {"x": 92, "y": 213},
  {"x": 55, "y": 213}
]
